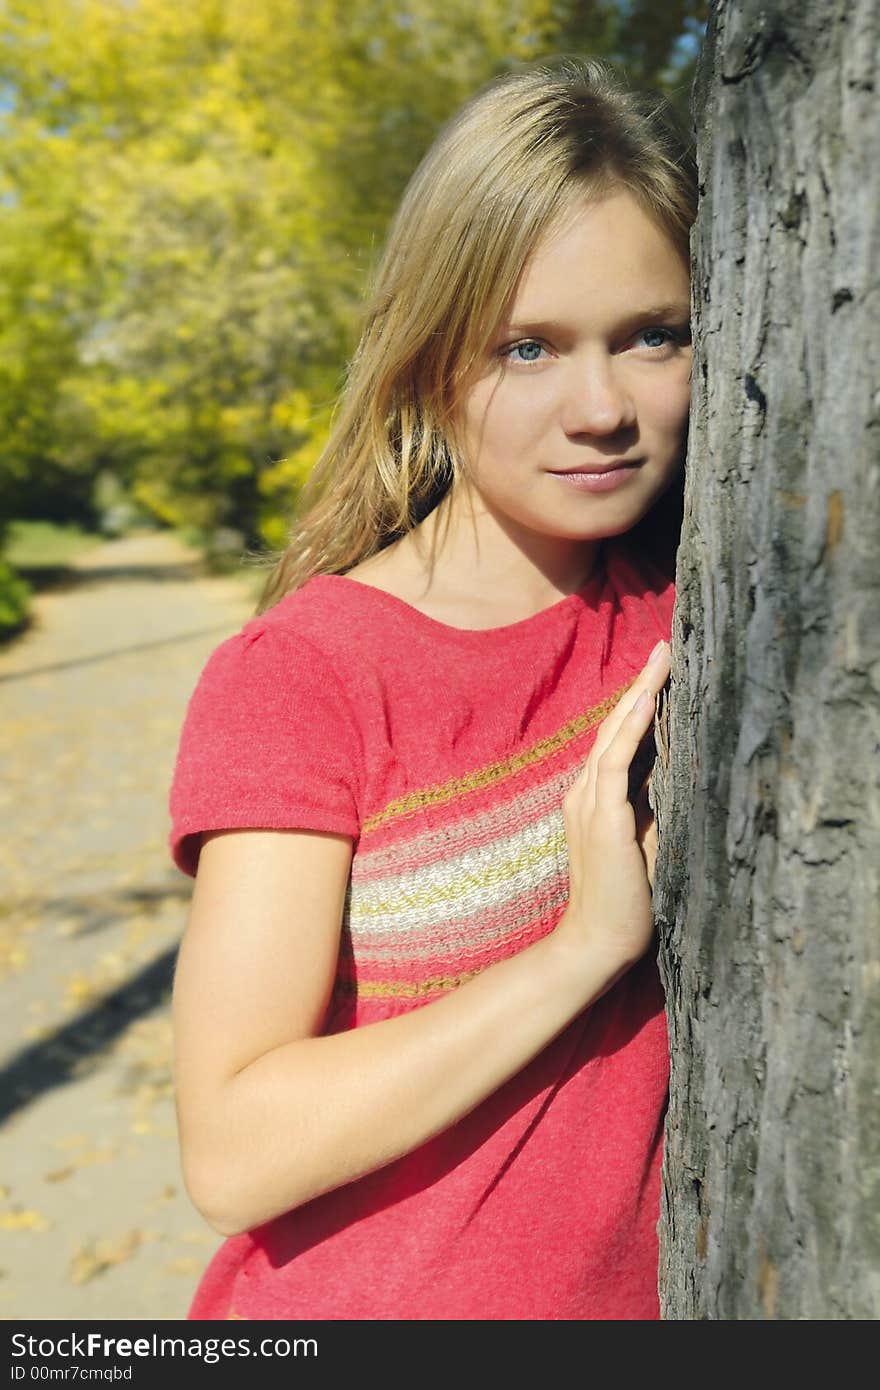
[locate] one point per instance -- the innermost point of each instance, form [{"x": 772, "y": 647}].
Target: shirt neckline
[{"x": 471, "y": 634}]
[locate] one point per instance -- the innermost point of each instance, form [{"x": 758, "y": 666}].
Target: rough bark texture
[{"x": 769, "y": 812}]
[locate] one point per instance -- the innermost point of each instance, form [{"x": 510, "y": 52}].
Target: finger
[
  {"x": 613, "y": 766},
  {"x": 653, "y": 676}
]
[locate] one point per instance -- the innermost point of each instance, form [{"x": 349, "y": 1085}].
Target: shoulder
[
  {"x": 304, "y": 639},
  {"x": 311, "y": 613},
  {"x": 278, "y": 665},
  {"x": 335, "y": 616},
  {"x": 271, "y": 738}
]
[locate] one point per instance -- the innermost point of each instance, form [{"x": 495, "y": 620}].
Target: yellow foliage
[
  {"x": 293, "y": 411},
  {"x": 287, "y": 476},
  {"x": 274, "y": 532},
  {"x": 191, "y": 198},
  {"x": 154, "y": 497}
]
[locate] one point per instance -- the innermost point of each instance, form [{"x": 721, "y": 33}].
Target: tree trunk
[{"x": 769, "y": 811}]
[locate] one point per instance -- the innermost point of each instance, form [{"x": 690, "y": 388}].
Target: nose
[{"x": 597, "y": 399}]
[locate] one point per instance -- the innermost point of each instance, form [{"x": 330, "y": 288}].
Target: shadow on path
[
  {"x": 116, "y": 651},
  {"x": 86, "y": 576},
  {"x": 56, "y": 1059},
  {"x": 64, "y": 577},
  {"x": 113, "y": 907}
]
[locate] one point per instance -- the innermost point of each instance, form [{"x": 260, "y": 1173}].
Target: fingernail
[{"x": 657, "y": 652}]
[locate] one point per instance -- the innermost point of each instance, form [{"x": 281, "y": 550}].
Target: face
[{"x": 591, "y": 368}]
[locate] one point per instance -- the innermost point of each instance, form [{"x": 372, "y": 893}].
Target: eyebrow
[{"x": 678, "y": 311}]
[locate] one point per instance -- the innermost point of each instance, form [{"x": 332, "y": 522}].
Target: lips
[
  {"x": 596, "y": 468},
  {"x": 609, "y": 481}
]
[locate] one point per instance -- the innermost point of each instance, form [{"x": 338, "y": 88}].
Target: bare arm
[{"x": 272, "y": 1115}]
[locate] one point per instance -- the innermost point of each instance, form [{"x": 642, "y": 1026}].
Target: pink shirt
[{"x": 445, "y": 754}]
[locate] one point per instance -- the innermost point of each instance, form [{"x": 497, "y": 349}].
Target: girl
[{"x": 421, "y": 1053}]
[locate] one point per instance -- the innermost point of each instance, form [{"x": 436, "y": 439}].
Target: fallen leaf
[
  {"x": 79, "y": 990},
  {"x": 84, "y": 1266},
  {"x": 59, "y": 1174},
  {"x": 23, "y": 1221},
  {"x": 92, "y": 1259}
]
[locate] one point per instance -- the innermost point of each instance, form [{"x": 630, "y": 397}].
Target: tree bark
[{"x": 768, "y": 813}]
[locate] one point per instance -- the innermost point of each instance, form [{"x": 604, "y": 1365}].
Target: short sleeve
[{"x": 269, "y": 742}]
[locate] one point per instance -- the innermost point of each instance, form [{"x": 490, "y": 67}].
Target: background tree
[
  {"x": 191, "y": 200},
  {"x": 767, "y": 885}
]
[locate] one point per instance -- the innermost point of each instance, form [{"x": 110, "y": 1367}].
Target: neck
[{"x": 467, "y": 545}]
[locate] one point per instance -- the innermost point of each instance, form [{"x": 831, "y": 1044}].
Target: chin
[{"x": 609, "y": 518}]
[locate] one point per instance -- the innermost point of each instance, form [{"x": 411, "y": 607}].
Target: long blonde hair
[{"x": 515, "y": 158}]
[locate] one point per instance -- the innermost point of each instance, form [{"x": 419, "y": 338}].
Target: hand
[{"x": 612, "y": 844}]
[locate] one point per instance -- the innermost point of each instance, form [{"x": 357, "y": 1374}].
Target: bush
[{"x": 14, "y": 601}]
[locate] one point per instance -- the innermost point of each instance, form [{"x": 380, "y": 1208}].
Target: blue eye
[
  {"x": 668, "y": 336},
  {"x": 529, "y": 347},
  {"x": 663, "y": 333}
]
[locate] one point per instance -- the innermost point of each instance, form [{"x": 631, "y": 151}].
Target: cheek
[
  {"x": 667, "y": 406},
  {"x": 503, "y": 418}
]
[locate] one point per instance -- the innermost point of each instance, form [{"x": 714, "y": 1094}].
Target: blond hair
[{"x": 516, "y": 158}]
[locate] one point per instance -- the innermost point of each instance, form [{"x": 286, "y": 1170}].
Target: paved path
[{"x": 93, "y": 1218}]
